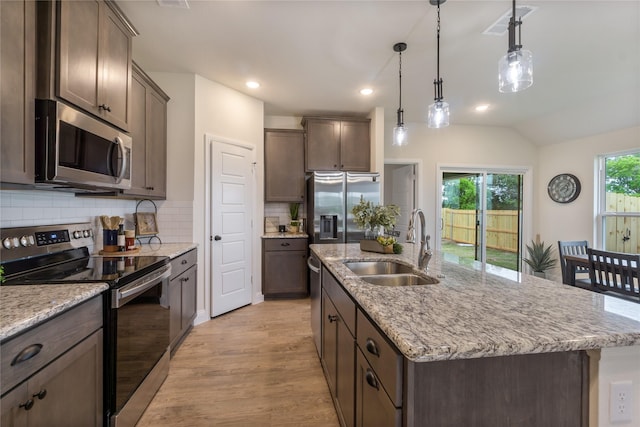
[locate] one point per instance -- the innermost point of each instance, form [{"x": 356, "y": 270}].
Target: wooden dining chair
[
  {"x": 574, "y": 247},
  {"x": 615, "y": 272}
]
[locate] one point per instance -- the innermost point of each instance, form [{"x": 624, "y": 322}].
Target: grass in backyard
[{"x": 466, "y": 254}]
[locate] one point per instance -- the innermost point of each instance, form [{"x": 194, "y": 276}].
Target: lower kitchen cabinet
[
  {"x": 55, "y": 371},
  {"x": 373, "y": 406},
  {"x": 182, "y": 297},
  {"x": 338, "y": 347},
  {"x": 284, "y": 268}
]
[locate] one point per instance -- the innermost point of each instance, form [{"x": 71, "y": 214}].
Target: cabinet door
[
  {"x": 285, "y": 272},
  {"x": 345, "y": 373},
  {"x": 175, "y": 309},
  {"x": 139, "y": 136},
  {"x": 322, "y": 145},
  {"x": 284, "y": 165},
  {"x": 189, "y": 281},
  {"x": 329, "y": 341},
  {"x": 355, "y": 146},
  {"x": 78, "y": 55},
  {"x": 12, "y": 406},
  {"x": 17, "y": 85},
  {"x": 115, "y": 74},
  {"x": 156, "y": 149},
  {"x": 373, "y": 407}
]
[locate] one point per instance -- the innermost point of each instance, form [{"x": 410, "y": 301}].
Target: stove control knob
[
  {"x": 24, "y": 241},
  {"x": 32, "y": 241},
  {"x": 7, "y": 243},
  {"x": 86, "y": 233},
  {"x": 77, "y": 234},
  {"x": 16, "y": 242}
]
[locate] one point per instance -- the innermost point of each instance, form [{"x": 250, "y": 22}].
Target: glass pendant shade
[
  {"x": 400, "y": 135},
  {"x": 515, "y": 71},
  {"x": 438, "y": 116}
]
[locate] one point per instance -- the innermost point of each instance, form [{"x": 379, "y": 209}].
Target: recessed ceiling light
[
  {"x": 482, "y": 108},
  {"x": 366, "y": 91},
  {"x": 253, "y": 85}
]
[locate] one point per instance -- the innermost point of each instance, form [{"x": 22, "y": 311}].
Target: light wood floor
[{"x": 256, "y": 366}]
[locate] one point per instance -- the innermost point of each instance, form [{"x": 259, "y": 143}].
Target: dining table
[{"x": 573, "y": 262}]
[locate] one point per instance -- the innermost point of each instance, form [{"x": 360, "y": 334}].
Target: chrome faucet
[{"x": 425, "y": 249}]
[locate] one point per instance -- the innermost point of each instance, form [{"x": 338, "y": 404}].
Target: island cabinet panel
[
  {"x": 337, "y": 144},
  {"x": 182, "y": 297},
  {"x": 373, "y": 406},
  {"x": 284, "y": 165},
  {"x": 338, "y": 346},
  {"x": 549, "y": 389},
  {"x": 284, "y": 268},
  {"x": 18, "y": 85}
]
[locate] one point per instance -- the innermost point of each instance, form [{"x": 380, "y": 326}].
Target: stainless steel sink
[
  {"x": 368, "y": 268},
  {"x": 405, "y": 279},
  {"x": 389, "y": 273}
]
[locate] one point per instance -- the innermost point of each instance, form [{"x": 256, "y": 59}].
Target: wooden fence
[{"x": 622, "y": 233}]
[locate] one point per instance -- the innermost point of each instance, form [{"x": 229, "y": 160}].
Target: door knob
[{"x": 217, "y": 237}]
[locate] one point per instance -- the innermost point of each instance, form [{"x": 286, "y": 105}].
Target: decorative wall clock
[{"x": 564, "y": 188}]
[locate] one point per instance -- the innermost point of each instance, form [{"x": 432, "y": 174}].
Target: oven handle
[{"x": 128, "y": 292}]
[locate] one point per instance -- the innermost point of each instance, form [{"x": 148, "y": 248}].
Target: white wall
[
  {"x": 618, "y": 364},
  {"x": 575, "y": 220},
  {"x": 480, "y": 146}
]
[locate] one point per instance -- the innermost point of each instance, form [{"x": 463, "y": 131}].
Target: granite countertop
[
  {"x": 27, "y": 305},
  {"x": 172, "y": 250},
  {"x": 472, "y": 314},
  {"x": 276, "y": 235}
]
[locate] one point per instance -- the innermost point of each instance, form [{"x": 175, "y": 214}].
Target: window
[{"x": 619, "y": 202}]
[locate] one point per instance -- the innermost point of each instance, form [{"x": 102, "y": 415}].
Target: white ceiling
[{"x": 313, "y": 57}]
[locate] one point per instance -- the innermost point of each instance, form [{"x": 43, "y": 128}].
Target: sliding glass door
[{"x": 481, "y": 219}]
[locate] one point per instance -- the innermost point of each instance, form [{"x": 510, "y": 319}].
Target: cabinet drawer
[
  {"x": 373, "y": 406},
  {"x": 382, "y": 356},
  {"x": 48, "y": 341},
  {"x": 293, "y": 244},
  {"x": 343, "y": 302},
  {"x": 180, "y": 264}
]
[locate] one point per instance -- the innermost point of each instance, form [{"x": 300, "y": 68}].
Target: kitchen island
[{"x": 511, "y": 340}]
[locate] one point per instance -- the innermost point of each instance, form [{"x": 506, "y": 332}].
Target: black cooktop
[{"x": 77, "y": 266}]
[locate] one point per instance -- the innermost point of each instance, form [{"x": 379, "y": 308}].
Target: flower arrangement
[{"x": 369, "y": 217}]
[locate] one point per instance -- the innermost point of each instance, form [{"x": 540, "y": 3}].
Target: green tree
[
  {"x": 504, "y": 192},
  {"x": 623, "y": 174},
  {"x": 467, "y": 193}
]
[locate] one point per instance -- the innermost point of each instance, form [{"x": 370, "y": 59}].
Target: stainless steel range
[{"x": 136, "y": 324}]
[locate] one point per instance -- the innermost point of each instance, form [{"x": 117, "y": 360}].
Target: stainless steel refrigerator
[{"x": 330, "y": 199}]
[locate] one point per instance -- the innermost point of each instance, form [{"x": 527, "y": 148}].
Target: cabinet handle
[
  {"x": 27, "y": 405},
  {"x": 184, "y": 261},
  {"x": 372, "y": 347},
  {"x": 332, "y": 318},
  {"x": 184, "y": 279},
  {"x": 104, "y": 107},
  {"x": 26, "y": 354},
  {"x": 371, "y": 379},
  {"x": 285, "y": 244},
  {"x": 41, "y": 394},
  {"x": 148, "y": 188}
]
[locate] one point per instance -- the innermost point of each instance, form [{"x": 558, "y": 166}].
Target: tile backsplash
[
  {"x": 281, "y": 210},
  {"x": 25, "y": 208}
]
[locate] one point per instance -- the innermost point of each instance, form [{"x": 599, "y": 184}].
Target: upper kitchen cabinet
[
  {"x": 149, "y": 135},
  {"x": 337, "y": 144},
  {"x": 91, "y": 67},
  {"x": 284, "y": 165},
  {"x": 17, "y": 85}
]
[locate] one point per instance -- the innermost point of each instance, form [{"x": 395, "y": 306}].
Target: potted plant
[
  {"x": 294, "y": 209},
  {"x": 375, "y": 220},
  {"x": 540, "y": 258}
]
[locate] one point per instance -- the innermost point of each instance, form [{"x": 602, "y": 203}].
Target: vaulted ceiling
[{"x": 313, "y": 57}]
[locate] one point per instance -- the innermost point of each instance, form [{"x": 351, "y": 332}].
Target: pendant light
[
  {"x": 515, "y": 69},
  {"x": 438, "y": 116},
  {"x": 400, "y": 132}
]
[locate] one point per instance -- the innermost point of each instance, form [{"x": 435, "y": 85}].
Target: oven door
[{"x": 140, "y": 331}]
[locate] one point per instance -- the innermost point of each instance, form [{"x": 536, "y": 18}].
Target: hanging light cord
[
  {"x": 400, "y": 82},
  {"x": 513, "y": 23},
  {"x": 437, "y": 83}
]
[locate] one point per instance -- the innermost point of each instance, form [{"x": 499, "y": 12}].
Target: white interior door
[
  {"x": 403, "y": 195},
  {"x": 231, "y": 222}
]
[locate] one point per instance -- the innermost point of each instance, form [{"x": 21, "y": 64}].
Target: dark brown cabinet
[
  {"x": 18, "y": 85},
  {"x": 284, "y": 267},
  {"x": 149, "y": 134},
  {"x": 284, "y": 165},
  {"x": 62, "y": 383},
  {"x": 92, "y": 41},
  {"x": 182, "y": 297},
  {"x": 337, "y": 144},
  {"x": 338, "y": 347}
]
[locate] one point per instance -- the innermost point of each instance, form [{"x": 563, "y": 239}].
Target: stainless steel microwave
[{"x": 76, "y": 150}]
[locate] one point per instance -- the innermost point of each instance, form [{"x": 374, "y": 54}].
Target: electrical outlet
[{"x": 621, "y": 402}]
